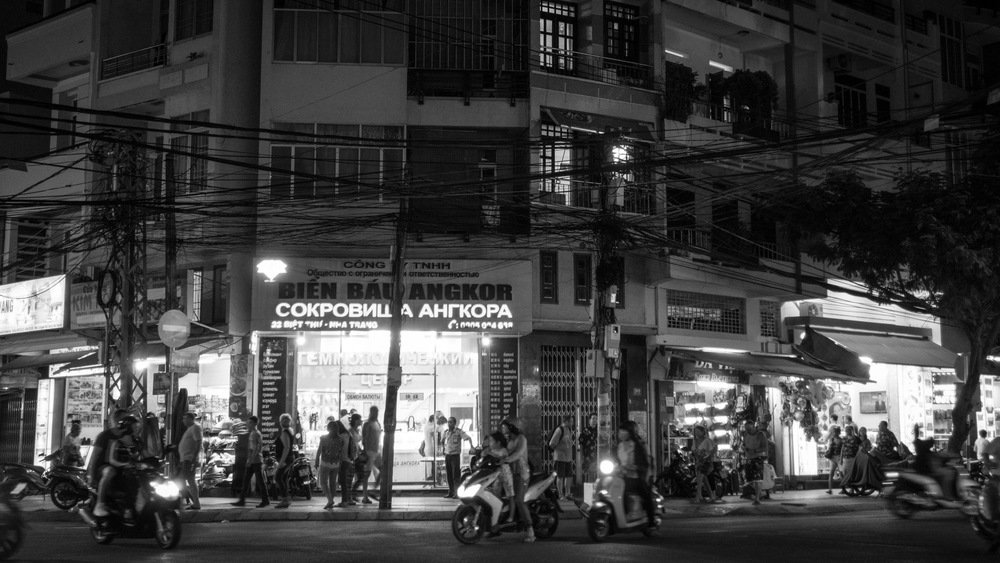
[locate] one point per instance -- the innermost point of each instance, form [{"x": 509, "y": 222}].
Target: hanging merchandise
[{"x": 800, "y": 402}]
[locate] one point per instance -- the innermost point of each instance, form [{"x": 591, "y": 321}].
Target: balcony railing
[
  {"x": 596, "y": 67},
  {"x": 143, "y": 59},
  {"x": 743, "y": 123},
  {"x": 881, "y": 10}
]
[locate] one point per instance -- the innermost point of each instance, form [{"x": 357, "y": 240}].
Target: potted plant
[
  {"x": 680, "y": 92},
  {"x": 754, "y": 96}
]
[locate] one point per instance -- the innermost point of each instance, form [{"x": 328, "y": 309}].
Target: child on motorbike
[{"x": 495, "y": 446}]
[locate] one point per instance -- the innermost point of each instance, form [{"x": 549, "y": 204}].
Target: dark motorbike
[
  {"x": 154, "y": 512},
  {"x": 67, "y": 484},
  {"x": 978, "y": 472},
  {"x": 679, "y": 478},
  {"x": 866, "y": 476},
  {"x": 12, "y": 526},
  {"x": 985, "y": 514},
  {"x": 34, "y": 477},
  {"x": 907, "y": 491},
  {"x": 300, "y": 477}
]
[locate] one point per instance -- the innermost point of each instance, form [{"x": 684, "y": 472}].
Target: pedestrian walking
[
  {"x": 189, "y": 449},
  {"x": 328, "y": 461},
  {"x": 834, "y": 444},
  {"x": 848, "y": 455},
  {"x": 588, "y": 448},
  {"x": 371, "y": 441},
  {"x": 513, "y": 430},
  {"x": 255, "y": 464},
  {"x": 350, "y": 448},
  {"x": 755, "y": 449},
  {"x": 283, "y": 457},
  {"x": 453, "y": 438},
  {"x": 561, "y": 444}
]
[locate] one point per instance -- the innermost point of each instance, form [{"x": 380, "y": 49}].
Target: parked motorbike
[
  {"x": 978, "y": 472},
  {"x": 613, "y": 511},
  {"x": 153, "y": 513},
  {"x": 12, "y": 526},
  {"x": 678, "y": 478},
  {"x": 34, "y": 477},
  {"x": 68, "y": 486},
  {"x": 484, "y": 510},
  {"x": 300, "y": 477},
  {"x": 985, "y": 515},
  {"x": 907, "y": 491}
]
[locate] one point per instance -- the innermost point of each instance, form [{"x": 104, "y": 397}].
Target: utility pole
[
  {"x": 395, "y": 370},
  {"x": 122, "y": 286}
]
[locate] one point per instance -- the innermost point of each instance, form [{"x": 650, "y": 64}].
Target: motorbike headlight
[
  {"x": 167, "y": 489},
  {"x": 468, "y": 492},
  {"x": 891, "y": 475},
  {"x": 607, "y": 467}
]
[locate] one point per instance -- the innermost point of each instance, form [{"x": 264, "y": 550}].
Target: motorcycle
[
  {"x": 978, "y": 472},
  {"x": 154, "y": 512},
  {"x": 67, "y": 484},
  {"x": 483, "y": 509},
  {"x": 34, "y": 477},
  {"x": 300, "y": 477},
  {"x": 12, "y": 526},
  {"x": 614, "y": 511},
  {"x": 679, "y": 478},
  {"x": 985, "y": 515},
  {"x": 907, "y": 491}
]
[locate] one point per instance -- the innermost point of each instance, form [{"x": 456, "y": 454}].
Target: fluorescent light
[
  {"x": 720, "y": 66},
  {"x": 675, "y": 53}
]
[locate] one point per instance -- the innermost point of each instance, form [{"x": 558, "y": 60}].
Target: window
[
  {"x": 490, "y": 198},
  {"x": 883, "y": 106},
  {"x": 352, "y": 161},
  {"x": 347, "y": 31},
  {"x": 621, "y": 34},
  {"x": 636, "y": 194},
  {"x": 31, "y": 253},
  {"x": 558, "y": 36},
  {"x": 194, "y": 17},
  {"x": 769, "y": 327},
  {"x": 470, "y": 35},
  {"x": 582, "y": 279},
  {"x": 210, "y": 294},
  {"x": 556, "y": 156},
  {"x": 956, "y": 161},
  {"x": 852, "y": 111},
  {"x": 705, "y": 312},
  {"x": 548, "y": 282},
  {"x": 952, "y": 67},
  {"x": 186, "y": 168}
]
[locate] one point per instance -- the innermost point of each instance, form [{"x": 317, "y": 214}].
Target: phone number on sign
[{"x": 480, "y": 325}]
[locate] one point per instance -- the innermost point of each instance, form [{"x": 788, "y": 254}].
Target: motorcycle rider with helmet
[
  {"x": 933, "y": 464},
  {"x": 632, "y": 459},
  {"x": 115, "y": 452}
]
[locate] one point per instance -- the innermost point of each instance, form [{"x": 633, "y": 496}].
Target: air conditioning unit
[{"x": 840, "y": 63}]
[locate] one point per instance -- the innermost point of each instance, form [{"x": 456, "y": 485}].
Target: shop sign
[
  {"x": 33, "y": 305},
  {"x": 84, "y": 312},
  {"x": 413, "y": 397},
  {"x": 274, "y": 355},
  {"x": 363, "y": 397},
  {"x": 500, "y": 365},
  {"x": 239, "y": 371},
  {"x": 441, "y": 295},
  {"x": 184, "y": 362},
  {"x": 161, "y": 383},
  {"x": 707, "y": 372}
]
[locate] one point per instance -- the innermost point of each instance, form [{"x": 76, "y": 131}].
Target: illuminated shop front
[{"x": 322, "y": 347}]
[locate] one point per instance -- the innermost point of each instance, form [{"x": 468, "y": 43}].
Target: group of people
[{"x": 855, "y": 457}]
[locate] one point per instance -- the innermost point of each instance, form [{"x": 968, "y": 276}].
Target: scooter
[
  {"x": 67, "y": 484},
  {"x": 613, "y": 511},
  {"x": 34, "y": 477},
  {"x": 985, "y": 515},
  {"x": 300, "y": 477},
  {"x": 907, "y": 491},
  {"x": 154, "y": 513},
  {"x": 484, "y": 510},
  {"x": 12, "y": 526}
]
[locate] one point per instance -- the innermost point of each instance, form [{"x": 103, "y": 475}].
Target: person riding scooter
[
  {"x": 933, "y": 465},
  {"x": 633, "y": 461},
  {"x": 117, "y": 455}
]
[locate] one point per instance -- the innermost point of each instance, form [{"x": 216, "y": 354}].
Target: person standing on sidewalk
[
  {"x": 755, "y": 449},
  {"x": 255, "y": 463},
  {"x": 588, "y": 448},
  {"x": 453, "y": 438},
  {"x": 283, "y": 457},
  {"x": 517, "y": 445},
  {"x": 848, "y": 453},
  {"x": 833, "y": 447},
  {"x": 350, "y": 446},
  {"x": 706, "y": 455},
  {"x": 189, "y": 449},
  {"x": 371, "y": 440},
  {"x": 561, "y": 444},
  {"x": 328, "y": 462}
]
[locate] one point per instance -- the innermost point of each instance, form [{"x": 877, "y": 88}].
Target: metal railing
[
  {"x": 743, "y": 123},
  {"x": 596, "y": 67},
  {"x": 143, "y": 59}
]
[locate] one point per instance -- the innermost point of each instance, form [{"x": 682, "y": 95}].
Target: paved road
[{"x": 855, "y": 537}]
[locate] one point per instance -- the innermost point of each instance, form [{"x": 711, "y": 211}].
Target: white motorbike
[
  {"x": 484, "y": 510},
  {"x": 613, "y": 511},
  {"x": 907, "y": 492}
]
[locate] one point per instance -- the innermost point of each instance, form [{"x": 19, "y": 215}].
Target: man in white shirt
[
  {"x": 189, "y": 448},
  {"x": 981, "y": 444}
]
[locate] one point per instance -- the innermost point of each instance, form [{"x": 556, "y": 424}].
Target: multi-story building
[{"x": 506, "y": 133}]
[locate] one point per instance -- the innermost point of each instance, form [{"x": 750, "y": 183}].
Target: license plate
[{"x": 304, "y": 472}]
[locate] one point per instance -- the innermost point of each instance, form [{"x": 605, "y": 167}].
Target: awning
[
  {"x": 888, "y": 348},
  {"x": 764, "y": 364},
  {"x": 42, "y": 360},
  {"x": 600, "y": 124}
]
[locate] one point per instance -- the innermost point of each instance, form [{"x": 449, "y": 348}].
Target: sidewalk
[{"x": 416, "y": 506}]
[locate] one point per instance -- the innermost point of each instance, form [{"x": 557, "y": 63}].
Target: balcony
[
  {"x": 53, "y": 50},
  {"x": 143, "y": 59},
  {"x": 596, "y": 67},
  {"x": 743, "y": 125}
]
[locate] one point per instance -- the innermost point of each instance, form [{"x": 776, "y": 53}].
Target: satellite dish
[{"x": 174, "y": 328}]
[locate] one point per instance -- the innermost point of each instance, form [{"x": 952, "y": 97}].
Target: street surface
[{"x": 856, "y": 537}]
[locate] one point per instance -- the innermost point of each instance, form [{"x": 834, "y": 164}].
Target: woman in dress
[
  {"x": 833, "y": 448},
  {"x": 848, "y": 455}
]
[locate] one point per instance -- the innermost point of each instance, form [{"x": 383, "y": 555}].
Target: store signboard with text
[
  {"x": 32, "y": 305},
  {"x": 354, "y": 294},
  {"x": 705, "y": 372}
]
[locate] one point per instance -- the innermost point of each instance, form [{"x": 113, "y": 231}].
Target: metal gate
[
  {"x": 565, "y": 390},
  {"x": 17, "y": 425}
]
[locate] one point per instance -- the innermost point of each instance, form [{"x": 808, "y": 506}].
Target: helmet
[
  {"x": 514, "y": 422},
  {"x": 125, "y": 424}
]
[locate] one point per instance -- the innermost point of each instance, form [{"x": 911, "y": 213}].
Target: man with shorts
[
  {"x": 453, "y": 438},
  {"x": 371, "y": 441},
  {"x": 561, "y": 444},
  {"x": 755, "y": 449}
]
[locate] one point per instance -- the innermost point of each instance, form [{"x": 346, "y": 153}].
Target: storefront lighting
[
  {"x": 715, "y": 385},
  {"x": 677, "y": 54},
  {"x": 720, "y": 66},
  {"x": 721, "y": 405},
  {"x": 866, "y": 360},
  {"x": 486, "y": 341},
  {"x": 140, "y": 365},
  {"x": 699, "y": 406},
  {"x": 724, "y": 447},
  {"x": 301, "y": 339},
  {"x": 206, "y": 359},
  {"x": 271, "y": 269},
  {"x": 722, "y": 418}
]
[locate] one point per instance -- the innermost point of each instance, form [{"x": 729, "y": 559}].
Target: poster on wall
[
  {"x": 500, "y": 366},
  {"x": 32, "y": 305},
  {"x": 239, "y": 366},
  {"x": 274, "y": 357},
  {"x": 85, "y": 401}
]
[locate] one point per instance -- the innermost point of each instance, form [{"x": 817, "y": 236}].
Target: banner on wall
[
  {"x": 354, "y": 294},
  {"x": 32, "y": 305},
  {"x": 239, "y": 367}
]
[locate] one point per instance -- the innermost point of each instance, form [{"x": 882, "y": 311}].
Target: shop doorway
[{"x": 17, "y": 425}]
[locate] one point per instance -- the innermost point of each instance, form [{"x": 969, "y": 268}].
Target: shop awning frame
[
  {"x": 883, "y": 348},
  {"x": 766, "y": 364},
  {"x": 43, "y": 360}
]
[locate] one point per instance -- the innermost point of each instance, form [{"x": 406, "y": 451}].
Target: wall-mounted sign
[
  {"x": 363, "y": 397},
  {"x": 273, "y": 396},
  {"x": 33, "y": 305},
  {"x": 709, "y": 372},
  {"x": 411, "y": 397},
  {"x": 441, "y": 295}
]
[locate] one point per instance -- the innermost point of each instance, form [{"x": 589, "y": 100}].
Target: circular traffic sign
[{"x": 174, "y": 328}]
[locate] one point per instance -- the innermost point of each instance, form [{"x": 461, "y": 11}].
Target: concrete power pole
[
  {"x": 122, "y": 285},
  {"x": 395, "y": 372}
]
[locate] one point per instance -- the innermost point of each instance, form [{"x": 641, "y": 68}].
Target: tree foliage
[{"x": 930, "y": 245}]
